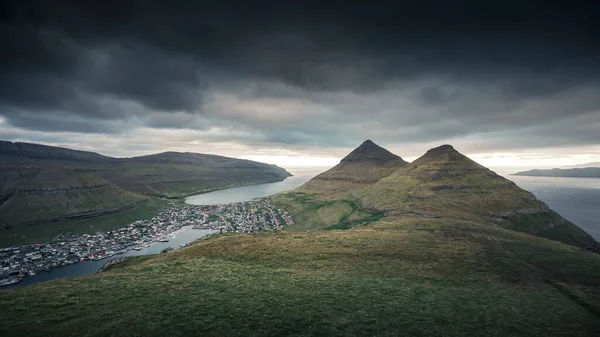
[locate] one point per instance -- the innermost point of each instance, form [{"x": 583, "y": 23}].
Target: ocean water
[
  {"x": 576, "y": 199},
  {"x": 247, "y": 193}
]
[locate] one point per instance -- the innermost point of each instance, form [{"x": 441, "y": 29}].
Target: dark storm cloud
[{"x": 411, "y": 71}]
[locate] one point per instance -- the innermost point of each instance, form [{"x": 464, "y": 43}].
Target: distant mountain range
[
  {"x": 587, "y": 172},
  {"x": 594, "y": 164},
  {"x": 42, "y": 184}
]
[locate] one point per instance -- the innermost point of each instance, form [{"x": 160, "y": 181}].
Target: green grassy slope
[
  {"x": 53, "y": 193},
  {"x": 42, "y": 232},
  {"x": 312, "y": 213},
  {"x": 446, "y": 184},
  {"x": 422, "y": 278},
  {"x": 173, "y": 174},
  {"x": 47, "y": 190}
]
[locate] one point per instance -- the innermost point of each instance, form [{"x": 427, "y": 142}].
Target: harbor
[{"x": 173, "y": 228}]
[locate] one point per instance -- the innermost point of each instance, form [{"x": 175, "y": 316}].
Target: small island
[{"x": 587, "y": 172}]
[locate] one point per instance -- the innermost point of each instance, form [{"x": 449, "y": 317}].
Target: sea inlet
[{"x": 175, "y": 239}]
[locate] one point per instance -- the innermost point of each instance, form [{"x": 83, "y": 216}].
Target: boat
[
  {"x": 7, "y": 282},
  {"x": 163, "y": 240},
  {"x": 137, "y": 248}
]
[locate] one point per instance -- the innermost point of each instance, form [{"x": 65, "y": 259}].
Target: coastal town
[{"x": 242, "y": 217}]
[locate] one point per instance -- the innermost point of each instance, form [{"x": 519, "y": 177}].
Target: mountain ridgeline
[
  {"x": 442, "y": 184},
  {"x": 42, "y": 185},
  {"x": 583, "y": 172}
]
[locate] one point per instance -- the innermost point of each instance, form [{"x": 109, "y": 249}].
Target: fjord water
[
  {"x": 92, "y": 266},
  {"x": 575, "y": 199},
  {"x": 247, "y": 193},
  {"x": 238, "y": 194}
]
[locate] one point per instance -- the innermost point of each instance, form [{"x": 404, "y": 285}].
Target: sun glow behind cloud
[
  {"x": 294, "y": 161},
  {"x": 492, "y": 160},
  {"x": 532, "y": 160}
]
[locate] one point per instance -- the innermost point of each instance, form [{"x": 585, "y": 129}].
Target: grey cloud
[
  {"x": 56, "y": 122},
  {"x": 145, "y": 75},
  {"x": 332, "y": 74}
]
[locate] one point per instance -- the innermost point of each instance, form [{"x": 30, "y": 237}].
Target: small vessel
[
  {"x": 137, "y": 248},
  {"x": 163, "y": 240},
  {"x": 10, "y": 281}
]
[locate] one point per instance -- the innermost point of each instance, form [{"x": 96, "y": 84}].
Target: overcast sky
[{"x": 508, "y": 82}]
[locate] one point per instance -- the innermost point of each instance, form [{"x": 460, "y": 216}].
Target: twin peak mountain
[
  {"x": 442, "y": 184},
  {"x": 370, "y": 162}
]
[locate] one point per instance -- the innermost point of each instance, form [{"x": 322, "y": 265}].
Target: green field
[
  {"x": 312, "y": 213},
  {"x": 422, "y": 278},
  {"x": 44, "y": 232}
]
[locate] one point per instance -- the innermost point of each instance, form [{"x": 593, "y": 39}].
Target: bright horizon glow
[
  {"x": 294, "y": 161},
  {"x": 491, "y": 160}
]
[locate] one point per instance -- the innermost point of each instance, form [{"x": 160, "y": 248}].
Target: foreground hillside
[
  {"x": 422, "y": 278},
  {"x": 46, "y": 190}
]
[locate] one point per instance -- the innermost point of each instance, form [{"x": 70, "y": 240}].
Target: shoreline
[
  {"x": 19, "y": 262},
  {"x": 179, "y": 199}
]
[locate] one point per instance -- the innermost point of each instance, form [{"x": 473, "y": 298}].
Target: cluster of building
[{"x": 243, "y": 217}]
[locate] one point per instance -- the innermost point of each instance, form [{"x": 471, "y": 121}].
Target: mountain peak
[
  {"x": 367, "y": 163},
  {"x": 446, "y": 156},
  {"x": 367, "y": 142},
  {"x": 445, "y": 150},
  {"x": 442, "y": 148},
  {"x": 370, "y": 152}
]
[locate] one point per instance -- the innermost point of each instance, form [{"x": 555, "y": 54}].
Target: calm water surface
[
  {"x": 92, "y": 266},
  {"x": 247, "y": 193},
  {"x": 576, "y": 199}
]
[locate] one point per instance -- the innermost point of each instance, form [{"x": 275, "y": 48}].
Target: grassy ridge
[
  {"x": 37, "y": 233},
  {"x": 312, "y": 213},
  {"x": 424, "y": 278}
]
